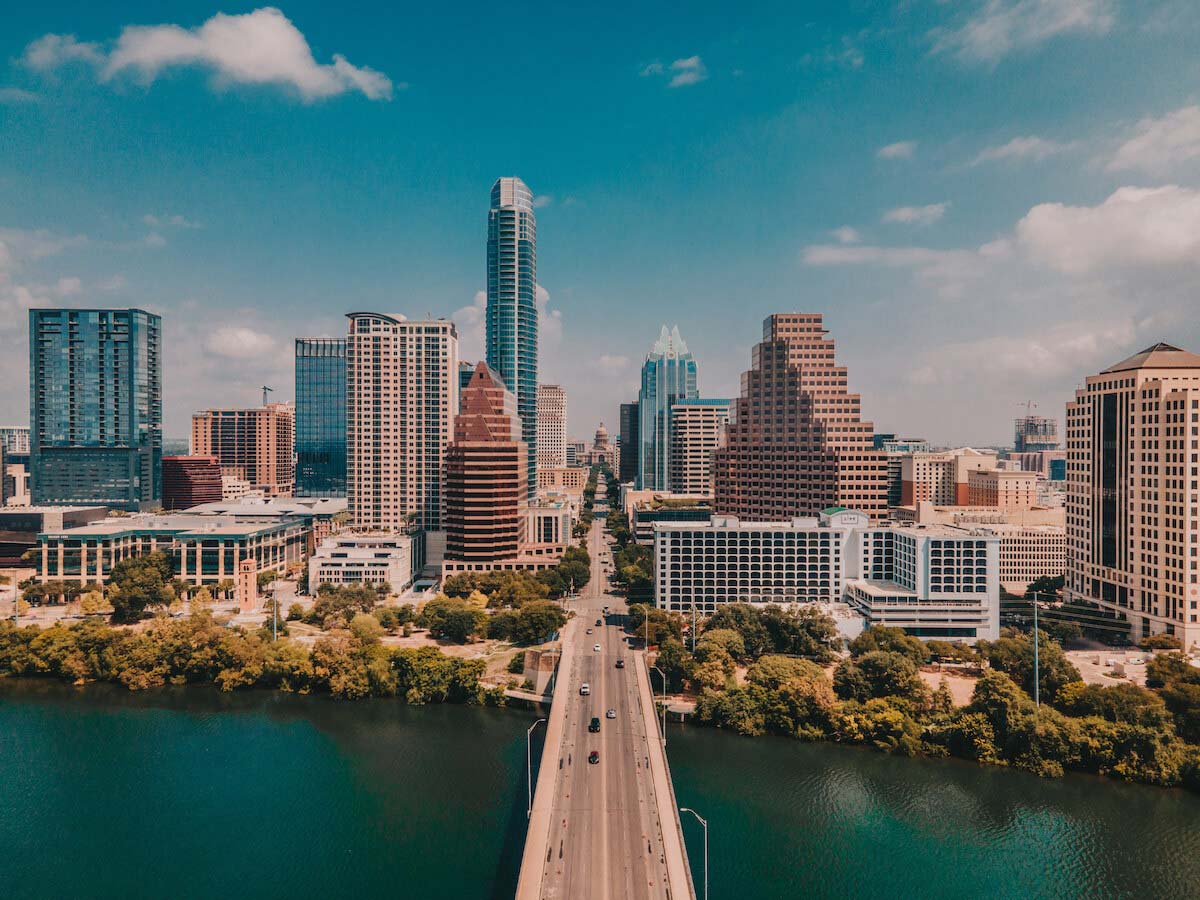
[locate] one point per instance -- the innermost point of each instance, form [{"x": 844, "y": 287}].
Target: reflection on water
[{"x": 192, "y": 793}]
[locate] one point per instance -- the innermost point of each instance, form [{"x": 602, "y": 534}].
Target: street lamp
[
  {"x": 529, "y": 768},
  {"x": 703, "y": 822},
  {"x": 663, "y": 675}
]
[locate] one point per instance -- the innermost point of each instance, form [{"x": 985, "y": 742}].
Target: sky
[{"x": 988, "y": 200}]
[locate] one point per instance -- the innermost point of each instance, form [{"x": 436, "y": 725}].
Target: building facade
[
  {"x": 1033, "y": 434},
  {"x": 320, "y": 417},
  {"x": 1007, "y": 489},
  {"x": 485, "y": 486},
  {"x": 697, "y": 429},
  {"x": 15, "y": 439},
  {"x": 668, "y": 376},
  {"x": 941, "y": 478},
  {"x": 512, "y": 318},
  {"x": 390, "y": 558},
  {"x": 254, "y": 445},
  {"x": 796, "y": 442},
  {"x": 551, "y": 426},
  {"x": 190, "y": 480},
  {"x": 401, "y": 399},
  {"x": 95, "y": 407},
  {"x": 568, "y": 480},
  {"x": 629, "y": 443},
  {"x": 1132, "y": 497}
]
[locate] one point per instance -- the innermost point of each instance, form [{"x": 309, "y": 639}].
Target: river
[{"x": 191, "y": 793}]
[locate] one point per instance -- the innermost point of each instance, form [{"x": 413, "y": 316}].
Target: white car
[
  {"x": 584, "y": 689},
  {"x": 595, "y": 648}
]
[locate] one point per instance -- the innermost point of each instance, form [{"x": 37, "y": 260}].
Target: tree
[
  {"x": 880, "y": 673},
  {"x": 676, "y": 663},
  {"x": 451, "y": 618},
  {"x": 1117, "y": 703},
  {"x": 807, "y": 631},
  {"x": 663, "y": 624},
  {"x": 1165, "y": 668},
  {"x": 265, "y": 578},
  {"x": 892, "y": 640},
  {"x": 725, "y": 640},
  {"x": 137, "y": 583},
  {"x": 94, "y": 603},
  {"x": 1013, "y": 655},
  {"x": 998, "y": 698},
  {"x": 366, "y": 628},
  {"x": 536, "y": 621},
  {"x": 202, "y": 599},
  {"x": 747, "y": 621},
  {"x": 295, "y": 612}
]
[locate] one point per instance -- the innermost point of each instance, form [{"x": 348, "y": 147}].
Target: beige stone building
[
  {"x": 401, "y": 397},
  {"x": 697, "y": 427},
  {"x": 1027, "y": 553},
  {"x": 1133, "y": 463},
  {"x": 1006, "y": 489},
  {"x": 941, "y": 477},
  {"x": 251, "y": 445},
  {"x": 551, "y": 426},
  {"x": 567, "y": 479}
]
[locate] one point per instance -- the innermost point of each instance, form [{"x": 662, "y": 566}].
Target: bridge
[{"x": 608, "y": 829}]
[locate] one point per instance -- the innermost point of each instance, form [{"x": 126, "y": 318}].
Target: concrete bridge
[{"x": 608, "y": 829}]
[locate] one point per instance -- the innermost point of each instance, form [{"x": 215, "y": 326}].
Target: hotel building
[
  {"x": 697, "y": 428},
  {"x": 253, "y": 445},
  {"x": 551, "y": 426}
]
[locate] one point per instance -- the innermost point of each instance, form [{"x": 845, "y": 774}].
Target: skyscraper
[
  {"x": 320, "y": 417},
  {"x": 628, "y": 443},
  {"x": 254, "y": 445},
  {"x": 795, "y": 443},
  {"x": 401, "y": 400},
  {"x": 485, "y": 475},
  {"x": 1132, "y": 500},
  {"x": 95, "y": 407},
  {"x": 668, "y": 376},
  {"x": 551, "y": 426},
  {"x": 697, "y": 427},
  {"x": 512, "y": 319}
]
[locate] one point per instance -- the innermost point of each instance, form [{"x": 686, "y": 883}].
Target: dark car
[
  {"x": 594, "y": 725},
  {"x": 594, "y": 757},
  {"x": 599, "y": 621},
  {"x": 620, "y": 663}
]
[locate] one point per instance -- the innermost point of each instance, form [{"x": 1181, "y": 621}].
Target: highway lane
[{"x": 606, "y": 838}]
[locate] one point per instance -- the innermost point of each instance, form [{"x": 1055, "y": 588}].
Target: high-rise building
[
  {"x": 401, "y": 400},
  {"x": 190, "y": 480},
  {"x": 320, "y": 417},
  {"x": 95, "y": 407},
  {"x": 512, "y": 318},
  {"x": 895, "y": 450},
  {"x": 15, "y": 439},
  {"x": 485, "y": 487},
  {"x": 697, "y": 427},
  {"x": 1032, "y": 434},
  {"x": 628, "y": 443},
  {"x": 941, "y": 478},
  {"x": 551, "y": 426},
  {"x": 668, "y": 376},
  {"x": 254, "y": 445},
  {"x": 796, "y": 443},
  {"x": 1132, "y": 500}
]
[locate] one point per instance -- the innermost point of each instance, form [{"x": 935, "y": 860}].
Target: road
[{"x": 605, "y": 834}]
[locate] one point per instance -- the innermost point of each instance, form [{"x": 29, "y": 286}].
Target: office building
[
  {"x": 1027, "y": 553},
  {"x": 1033, "y": 434},
  {"x": 551, "y": 425},
  {"x": 20, "y": 527},
  {"x": 697, "y": 428},
  {"x": 941, "y": 478},
  {"x": 512, "y": 317},
  {"x": 668, "y": 376},
  {"x": 796, "y": 442},
  {"x": 320, "y": 417},
  {"x": 190, "y": 480},
  {"x": 401, "y": 399},
  {"x": 253, "y": 445},
  {"x": 389, "y": 558},
  {"x": 1048, "y": 464},
  {"x": 933, "y": 582},
  {"x": 485, "y": 486},
  {"x": 1132, "y": 497},
  {"x": 576, "y": 453},
  {"x": 95, "y": 407},
  {"x": 627, "y": 442},
  {"x": 1007, "y": 489},
  {"x": 568, "y": 479},
  {"x": 14, "y": 439}
]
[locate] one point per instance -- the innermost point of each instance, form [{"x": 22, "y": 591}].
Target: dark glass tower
[
  {"x": 320, "y": 417},
  {"x": 668, "y": 376},
  {"x": 95, "y": 407},
  {"x": 512, "y": 320}
]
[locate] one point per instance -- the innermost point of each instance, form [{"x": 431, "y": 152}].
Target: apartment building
[
  {"x": 1009, "y": 489},
  {"x": 941, "y": 478},
  {"x": 697, "y": 429},
  {"x": 551, "y": 426},
  {"x": 254, "y": 445}
]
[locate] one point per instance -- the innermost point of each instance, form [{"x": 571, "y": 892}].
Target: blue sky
[{"x": 987, "y": 199}]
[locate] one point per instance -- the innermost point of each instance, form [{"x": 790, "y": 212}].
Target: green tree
[
  {"x": 880, "y": 673},
  {"x": 892, "y": 640},
  {"x": 536, "y": 621},
  {"x": 1116, "y": 703},
  {"x": 452, "y": 619},
  {"x": 1012, "y": 654},
  {"x": 807, "y": 631},
  {"x": 138, "y": 583}
]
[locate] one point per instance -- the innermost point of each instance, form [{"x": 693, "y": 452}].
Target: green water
[{"x": 189, "y": 793}]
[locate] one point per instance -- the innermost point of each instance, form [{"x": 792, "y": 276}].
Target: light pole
[
  {"x": 663, "y": 675},
  {"x": 703, "y": 822},
  {"x": 529, "y": 767}
]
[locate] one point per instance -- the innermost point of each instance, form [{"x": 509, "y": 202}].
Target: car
[
  {"x": 599, "y": 621},
  {"x": 611, "y": 714},
  {"x": 594, "y": 725},
  {"x": 589, "y": 631},
  {"x": 584, "y": 689},
  {"x": 595, "y": 648},
  {"x": 620, "y": 663},
  {"x": 594, "y": 757}
]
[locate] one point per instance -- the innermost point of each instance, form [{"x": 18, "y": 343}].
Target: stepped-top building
[{"x": 796, "y": 443}]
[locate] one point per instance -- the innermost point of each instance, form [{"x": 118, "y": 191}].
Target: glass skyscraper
[
  {"x": 668, "y": 376},
  {"x": 512, "y": 319},
  {"x": 95, "y": 407},
  {"x": 320, "y": 417}
]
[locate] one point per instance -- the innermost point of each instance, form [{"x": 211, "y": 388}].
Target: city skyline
[{"x": 1022, "y": 234}]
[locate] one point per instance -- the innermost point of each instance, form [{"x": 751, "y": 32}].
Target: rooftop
[{"x": 1157, "y": 356}]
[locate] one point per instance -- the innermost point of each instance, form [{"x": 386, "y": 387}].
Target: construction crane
[
  {"x": 266, "y": 390},
  {"x": 1030, "y": 406}
]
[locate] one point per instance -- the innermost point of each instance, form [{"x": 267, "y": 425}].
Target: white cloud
[
  {"x": 1020, "y": 148},
  {"x": 154, "y": 239},
  {"x": 260, "y": 47},
  {"x": 612, "y": 364},
  {"x": 687, "y": 71},
  {"x": 540, "y": 201},
  {"x": 66, "y": 287},
  {"x": 846, "y": 235},
  {"x": 20, "y": 248},
  {"x": 898, "y": 150},
  {"x": 550, "y": 325},
  {"x": 1133, "y": 227},
  {"x": 1158, "y": 144},
  {"x": 1000, "y": 27},
  {"x": 172, "y": 221},
  {"x": 12, "y": 96},
  {"x": 239, "y": 342},
  {"x": 654, "y": 68},
  {"x": 471, "y": 322},
  {"x": 916, "y": 215}
]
